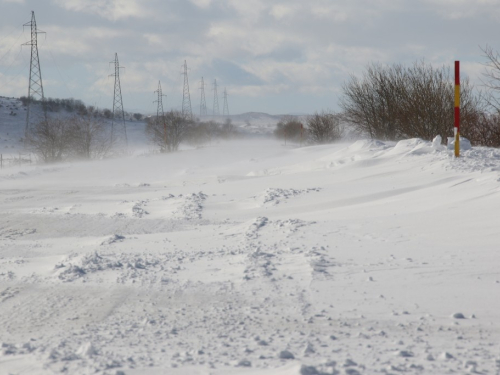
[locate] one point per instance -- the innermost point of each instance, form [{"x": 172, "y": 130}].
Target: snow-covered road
[{"x": 251, "y": 258}]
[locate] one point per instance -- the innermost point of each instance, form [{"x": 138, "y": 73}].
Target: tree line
[
  {"x": 393, "y": 102},
  {"x": 166, "y": 132},
  {"x": 86, "y": 134},
  {"x": 76, "y": 106},
  {"x": 319, "y": 128}
]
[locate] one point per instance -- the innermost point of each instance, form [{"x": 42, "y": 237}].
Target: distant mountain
[{"x": 251, "y": 122}]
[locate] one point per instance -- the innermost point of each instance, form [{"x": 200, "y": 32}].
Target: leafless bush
[
  {"x": 228, "y": 130},
  {"x": 49, "y": 139},
  {"x": 204, "y": 132},
  {"x": 485, "y": 131},
  {"x": 492, "y": 76},
  {"x": 289, "y": 128},
  {"x": 324, "y": 127},
  {"x": 394, "y": 102},
  {"x": 167, "y": 132},
  {"x": 89, "y": 136}
]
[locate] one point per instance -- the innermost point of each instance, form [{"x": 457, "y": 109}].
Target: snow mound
[
  {"x": 464, "y": 144},
  {"x": 275, "y": 196},
  {"x": 119, "y": 268}
]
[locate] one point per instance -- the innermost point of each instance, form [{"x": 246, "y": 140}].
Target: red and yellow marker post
[{"x": 457, "y": 109}]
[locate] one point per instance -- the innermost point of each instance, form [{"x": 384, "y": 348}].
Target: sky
[{"x": 273, "y": 56}]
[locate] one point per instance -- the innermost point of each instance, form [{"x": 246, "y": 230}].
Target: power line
[
  {"x": 159, "y": 109},
  {"x": 225, "y": 108},
  {"x": 60, "y": 75},
  {"x": 216, "y": 110},
  {"x": 12, "y": 32},
  {"x": 203, "y": 102},
  {"x": 10, "y": 48},
  {"x": 186, "y": 98},
  {"x": 160, "y": 116},
  {"x": 13, "y": 61},
  {"x": 118, "y": 112},
  {"x": 35, "y": 88}
]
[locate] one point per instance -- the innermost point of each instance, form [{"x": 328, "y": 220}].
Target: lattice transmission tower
[
  {"x": 225, "y": 108},
  {"x": 186, "y": 98},
  {"x": 118, "y": 127},
  {"x": 160, "y": 116},
  {"x": 216, "y": 111},
  {"x": 35, "y": 87},
  {"x": 203, "y": 102}
]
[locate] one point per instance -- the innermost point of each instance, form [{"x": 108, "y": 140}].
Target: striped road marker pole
[{"x": 457, "y": 109}]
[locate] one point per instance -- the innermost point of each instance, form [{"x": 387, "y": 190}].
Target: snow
[
  {"x": 250, "y": 123},
  {"x": 464, "y": 144},
  {"x": 248, "y": 257}
]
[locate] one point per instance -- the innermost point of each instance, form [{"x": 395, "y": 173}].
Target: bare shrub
[
  {"x": 395, "y": 102},
  {"x": 324, "y": 127},
  {"x": 228, "y": 130},
  {"x": 485, "y": 130},
  {"x": 202, "y": 132},
  {"x": 49, "y": 139},
  {"x": 289, "y": 128},
  {"x": 492, "y": 76},
  {"x": 168, "y": 131},
  {"x": 90, "y": 138}
]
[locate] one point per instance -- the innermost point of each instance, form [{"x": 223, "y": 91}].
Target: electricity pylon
[
  {"x": 186, "y": 98},
  {"x": 160, "y": 116},
  {"x": 225, "y": 108},
  {"x": 216, "y": 111},
  {"x": 35, "y": 87},
  {"x": 118, "y": 112},
  {"x": 203, "y": 102}
]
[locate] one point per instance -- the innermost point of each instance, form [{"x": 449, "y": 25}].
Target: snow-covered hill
[
  {"x": 252, "y": 258},
  {"x": 250, "y": 123},
  {"x": 12, "y": 125}
]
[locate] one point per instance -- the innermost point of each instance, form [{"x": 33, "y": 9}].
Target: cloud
[
  {"x": 202, "y": 3},
  {"x": 109, "y": 9},
  {"x": 13, "y": 85},
  {"x": 281, "y": 11},
  {"x": 257, "y": 48},
  {"x": 461, "y": 9}
]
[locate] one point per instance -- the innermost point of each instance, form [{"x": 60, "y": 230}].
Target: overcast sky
[{"x": 286, "y": 56}]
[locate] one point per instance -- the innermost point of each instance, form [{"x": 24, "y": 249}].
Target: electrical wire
[
  {"x": 12, "y": 46},
  {"x": 12, "y": 62},
  {"x": 12, "y": 32},
  {"x": 60, "y": 75}
]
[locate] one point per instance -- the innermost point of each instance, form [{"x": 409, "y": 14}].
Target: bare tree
[
  {"x": 168, "y": 131},
  {"x": 324, "y": 127},
  {"x": 228, "y": 130},
  {"x": 492, "y": 76},
  {"x": 90, "y": 138},
  {"x": 49, "y": 139},
  {"x": 289, "y": 128},
  {"x": 202, "y": 132},
  {"x": 485, "y": 130}
]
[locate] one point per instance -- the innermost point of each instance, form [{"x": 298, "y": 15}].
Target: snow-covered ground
[{"x": 251, "y": 258}]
